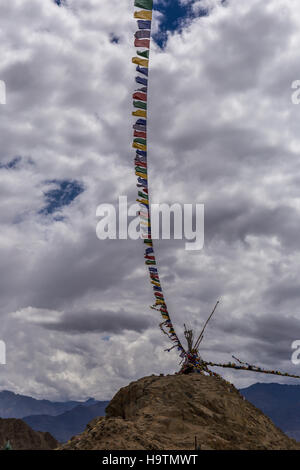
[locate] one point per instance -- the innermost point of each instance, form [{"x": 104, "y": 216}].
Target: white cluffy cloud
[{"x": 222, "y": 131}]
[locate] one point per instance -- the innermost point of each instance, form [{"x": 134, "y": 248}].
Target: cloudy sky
[{"x": 222, "y": 131}]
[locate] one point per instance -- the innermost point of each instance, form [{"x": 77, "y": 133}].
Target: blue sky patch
[
  {"x": 10, "y": 165},
  {"x": 114, "y": 39},
  {"x": 64, "y": 193},
  {"x": 176, "y": 15}
]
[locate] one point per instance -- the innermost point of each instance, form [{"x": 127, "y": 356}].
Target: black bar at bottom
[{"x": 136, "y": 459}]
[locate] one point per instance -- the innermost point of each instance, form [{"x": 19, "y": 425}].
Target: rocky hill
[
  {"x": 22, "y": 437},
  {"x": 167, "y": 413}
]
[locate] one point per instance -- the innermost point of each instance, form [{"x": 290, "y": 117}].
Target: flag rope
[{"x": 143, "y": 14}]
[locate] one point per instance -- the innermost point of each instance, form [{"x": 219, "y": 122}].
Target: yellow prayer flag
[
  {"x": 140, "y": 61},
  {"x": 136, "y": 145},
  {"x": 143, "y": 201},
  {"x": 140, "y": 113},
  {"x": 143, "y": 15},
  {"x": 142, "y": 175}
]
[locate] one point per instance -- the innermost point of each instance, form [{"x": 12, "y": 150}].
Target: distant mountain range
[
  {"x": 280, "y": 402},
  {"x": 67, "y": 424},
  {"x": 65, "y": 419},
  {"x": 13, "y": 405}
]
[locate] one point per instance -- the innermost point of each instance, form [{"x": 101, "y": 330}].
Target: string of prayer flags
[
  {"x": 248, "y": 367},
  {"x": 140, "y": 97}
]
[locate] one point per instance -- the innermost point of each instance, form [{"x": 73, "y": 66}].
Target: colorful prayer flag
[
  {"x": 142, "y": 34},
  {"x": 146, "y": 4},
  {"x": 144, "y": 89},
  {"x": 135, "y": 145},
  {"x": 140, "y": 104},
  {"x": 141, "y": 80},
  {"x": 138, "y": 127},
  {"x": 143, "y": 15},
  {"x": 142, "y": 43},
  {"x": 140, "y": 134},
  {"x": 140, "y": 141},
  {"x": 142, "y": 24},
  {"x": 139, "y": 61},
  {"x": 143, "y": 54},
  {"x": 139, "y": 96},
  {"x": 139, "y": 112},
  {"x": 143, "y": 70}
]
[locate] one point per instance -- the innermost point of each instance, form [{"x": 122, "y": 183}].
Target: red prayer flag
[
  {"x": 142, "y": 165},
  {"x": 142, "y": 43},
  {"x": 139, "y": 96},
  {"x": 140, "y": 134}
]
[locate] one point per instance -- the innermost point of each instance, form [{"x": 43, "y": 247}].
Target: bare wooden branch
[{"x": 196, "y": 346}]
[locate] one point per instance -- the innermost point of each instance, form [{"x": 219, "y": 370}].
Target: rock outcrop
[
  {"x": 167, "y": 413},
  {"x": 22, "y": 437}
]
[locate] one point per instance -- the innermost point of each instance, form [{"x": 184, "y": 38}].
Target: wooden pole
[{"x": 202, "y": 332}]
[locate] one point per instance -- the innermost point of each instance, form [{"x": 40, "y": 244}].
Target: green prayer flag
[
  {"x": 141, "y": 170},
  {"x": 146, "y": 4},
  {"x": 143, "y": 54},
  {"x": 140, "y": 104},
  {"x": 139, "y": 140}
]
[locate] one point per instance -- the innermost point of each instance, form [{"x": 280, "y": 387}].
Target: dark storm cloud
[
  {"x": 284, "y": 292},
  {"x": 235, "y": 219},
  {"x": 98, "y": 322}
]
